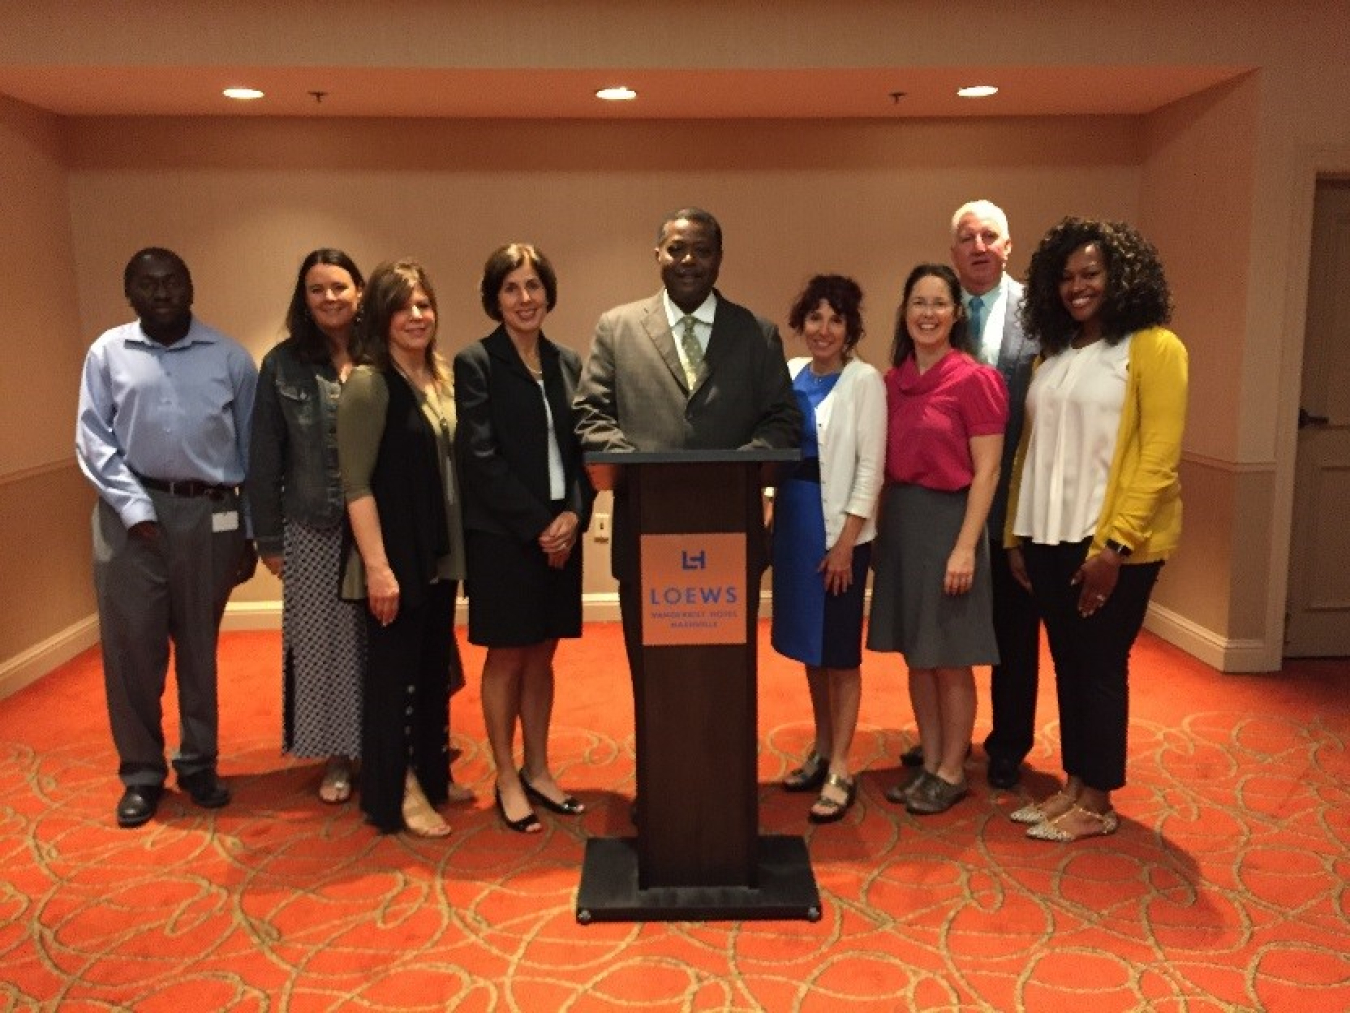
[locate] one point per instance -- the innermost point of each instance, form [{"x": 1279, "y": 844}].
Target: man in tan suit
[{"x": 684, "y": 369}]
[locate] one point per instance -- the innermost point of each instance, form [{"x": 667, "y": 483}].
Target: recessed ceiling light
[
  {"x": 620, "y": 93},
  {"x": 242, "y": 94},
  {"x": 977, "y": 91}
]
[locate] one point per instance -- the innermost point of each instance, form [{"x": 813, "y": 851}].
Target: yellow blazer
[{"x": 1142, "y": 506}]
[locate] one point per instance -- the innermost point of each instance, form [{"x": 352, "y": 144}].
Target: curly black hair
[
  {"x": 844, "y": 297},
  {"x": 1137, "y": 295}
]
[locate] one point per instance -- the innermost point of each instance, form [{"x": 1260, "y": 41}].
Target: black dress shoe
[
  {"x": 1003, "y": 772},
  {"x": 205, "y": 789},
  {"x": 527, "y": 824},
  {"x": 913, "y": 756},
  {"x": 138, "y": 805},
  {"x": 569, "y": 806}
]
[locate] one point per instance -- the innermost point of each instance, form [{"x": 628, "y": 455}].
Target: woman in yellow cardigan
[{"x": 1096, "y": 501}]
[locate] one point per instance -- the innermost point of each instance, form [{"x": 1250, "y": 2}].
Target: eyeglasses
[{"x": 936, "y": 305}]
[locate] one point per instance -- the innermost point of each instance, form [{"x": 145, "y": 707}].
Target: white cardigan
[{"x": 851, "y": 432}]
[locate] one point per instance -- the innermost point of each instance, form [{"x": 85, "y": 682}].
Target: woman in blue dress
[{"x": 824, "y": 523}]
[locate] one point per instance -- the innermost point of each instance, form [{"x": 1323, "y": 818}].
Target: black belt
[{"x": 188, "y": 487}]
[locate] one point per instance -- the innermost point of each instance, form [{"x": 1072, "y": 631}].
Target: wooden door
[{"x": 1319, "y": 566}]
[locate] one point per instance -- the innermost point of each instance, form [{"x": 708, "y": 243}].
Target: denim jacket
[{"x": 293, "y": 461}]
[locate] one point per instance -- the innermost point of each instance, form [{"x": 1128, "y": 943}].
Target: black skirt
[{"x": 515, "y": 598}]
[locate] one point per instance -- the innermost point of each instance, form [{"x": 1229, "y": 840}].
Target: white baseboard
[
  {"x": 599, "y": 607},
  {"x": 1227, "y": 655},
  {"x": 251, "y": 615},
  {"x": 29, "y": 666}
]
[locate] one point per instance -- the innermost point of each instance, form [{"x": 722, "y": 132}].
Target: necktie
[
  {"x": 976, "y": 322},
  {"x": 693, "y": 351}
]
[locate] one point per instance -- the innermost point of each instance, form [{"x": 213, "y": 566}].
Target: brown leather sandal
[
  {"x": 829, "y": 809},
  {"x": 810, "y": 775}
]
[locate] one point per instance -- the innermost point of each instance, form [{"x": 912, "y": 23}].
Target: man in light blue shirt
[{"x": 162, "y": 433}]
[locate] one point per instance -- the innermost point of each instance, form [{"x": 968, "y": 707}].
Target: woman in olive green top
[{"x": 396, "y": 422}]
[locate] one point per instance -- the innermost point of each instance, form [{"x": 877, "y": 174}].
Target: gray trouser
[{"x": 173, "y": 588}]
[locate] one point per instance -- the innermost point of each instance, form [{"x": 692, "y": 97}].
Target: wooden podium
[{"x": 692, "y": 520}]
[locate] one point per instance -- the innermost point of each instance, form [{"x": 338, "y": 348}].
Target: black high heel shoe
[
  {"x": 569, "y": 806},
  {"x": 527, "y": 824}
]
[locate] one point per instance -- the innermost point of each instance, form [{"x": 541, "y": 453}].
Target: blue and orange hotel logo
[{"x": 693, "y": 589}]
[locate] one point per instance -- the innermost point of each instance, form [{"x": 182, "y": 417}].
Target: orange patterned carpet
[{"x": 1227, "y": 887}]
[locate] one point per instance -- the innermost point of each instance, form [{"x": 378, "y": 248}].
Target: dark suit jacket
[
  {"x": 502, "y": 437},
  {"x": 633, "y": 396},
  {"x": 1015, "y": 357}
]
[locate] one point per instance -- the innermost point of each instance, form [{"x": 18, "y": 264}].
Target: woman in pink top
[{"x": 931, "y": 592}]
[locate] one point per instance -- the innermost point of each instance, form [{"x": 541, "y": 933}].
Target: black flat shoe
[
  {"x": 569, "y": 806},
  {"x": 205, "y": 789},
  {"x": 527, "y": 824},
  {"x": 138, "y": 805}
]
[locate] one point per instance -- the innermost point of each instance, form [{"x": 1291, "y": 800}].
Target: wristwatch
[{"x": 1123, "y": 551}]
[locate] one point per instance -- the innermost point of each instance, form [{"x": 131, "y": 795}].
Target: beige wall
[
  {"x": 244, "y": 200},
  {"x": 37, "y": 291},
  {"x": 1186, "y": 193},
  {"x": 1223, "y": 182},
  {"x": 46, "y": 596}
]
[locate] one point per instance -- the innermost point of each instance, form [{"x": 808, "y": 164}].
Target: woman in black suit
[{"x": 526, "y": 502}]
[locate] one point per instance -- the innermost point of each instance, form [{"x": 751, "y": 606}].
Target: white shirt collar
[
  {"x": 704, "y": 314},
  {"x": 989, "y": 298}
]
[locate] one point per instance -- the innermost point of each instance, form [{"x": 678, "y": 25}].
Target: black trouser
[
  {"x": 1014, "y": 680},
  {"x": 1092, "y": 655},
  {"x": 406, "y": 717}
]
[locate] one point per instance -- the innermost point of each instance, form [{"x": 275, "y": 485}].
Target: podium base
[{"x": 609, "y": 888}]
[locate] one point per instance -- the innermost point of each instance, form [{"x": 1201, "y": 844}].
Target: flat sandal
[
  {"x": 810, "y": 775},
  {"x": 836, "y": 809},
  {"x": 1034, "y": 812},
  {"x": 419, "y": 817},
  {"x": 1106, "y": 823},
  {"x": 336, "y": 786}
]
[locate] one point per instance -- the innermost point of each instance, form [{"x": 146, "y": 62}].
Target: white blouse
[
  {"x": 557, "y": 478},
  {"x": 851, "y": 435},
  {"x": 1073, "y": 411}
]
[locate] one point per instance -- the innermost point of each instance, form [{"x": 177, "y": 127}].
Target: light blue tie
[{"x": 976, "y": 321}]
